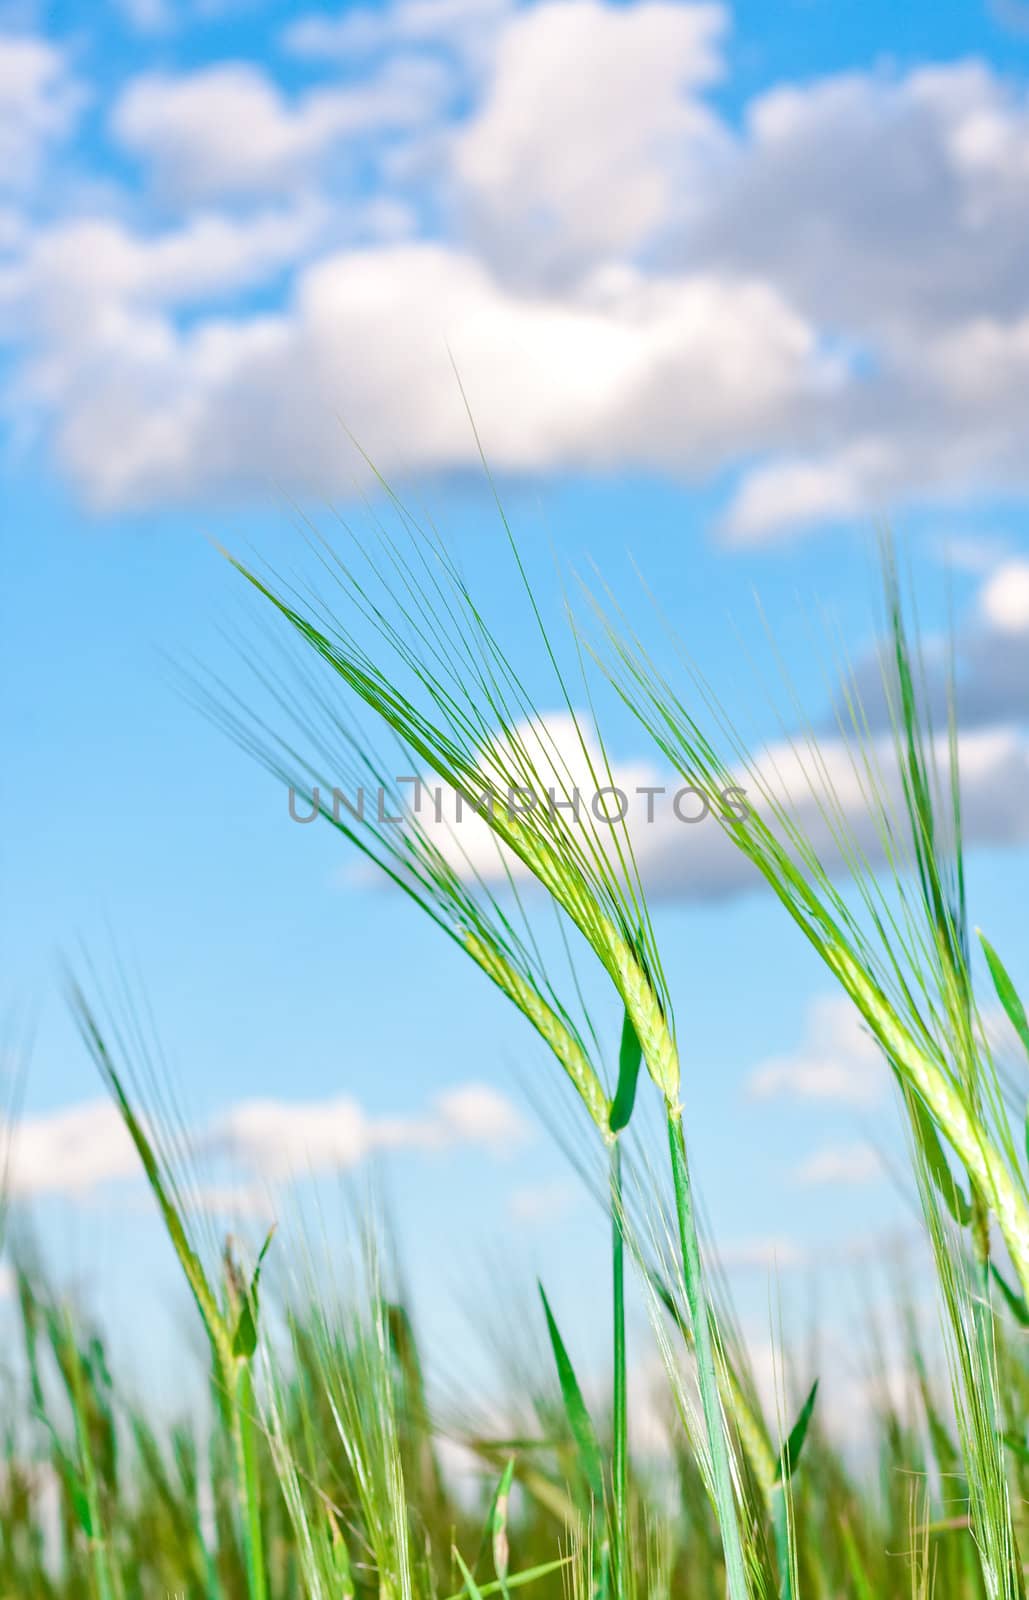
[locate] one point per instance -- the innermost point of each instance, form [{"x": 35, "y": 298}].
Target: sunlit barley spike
[
  {"x": 616, "y": 952},
  {"x": 969, "y": 1141},
  {"x": 548, "y": 1025},
  {"x": 660, "y": 1052},
  {"x": 554, "y": 874}
]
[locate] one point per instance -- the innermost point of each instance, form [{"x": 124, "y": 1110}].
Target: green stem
[
  {"x": 620, "y": 1457},
  {"x": 98, "y": 1549},
  {"x": 781, "y": 1530},
  {"x": 707, "y": 1373},
  {"x": 249, "y": 1482}
]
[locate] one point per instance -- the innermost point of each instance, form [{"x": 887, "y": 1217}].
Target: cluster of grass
[{"x": 320, "y": 1472}]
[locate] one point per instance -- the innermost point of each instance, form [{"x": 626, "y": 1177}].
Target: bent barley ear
[
  {"x": 898, "y": 943},
  {"x": 483, "y": 736},
  {"x": 548, "y": 1025}
]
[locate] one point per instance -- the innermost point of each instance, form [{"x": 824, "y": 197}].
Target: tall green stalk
[
  {"x": 707, "y": 1371},
  {"x": 249, "y": 1483},
  {"x": 232, "y": 1336},
  {"x": 620, "y": 1449},
  {"x": 100, "y": 1563}
]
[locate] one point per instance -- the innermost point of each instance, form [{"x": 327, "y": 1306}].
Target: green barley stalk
[
  {"x": 231, "y": 1328},
  {"x": 905, "y": 971},
  {"x": 477, "y": 922},
  {"x": 472, "y": 734}
]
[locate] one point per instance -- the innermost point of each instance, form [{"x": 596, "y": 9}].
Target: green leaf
[
  {"x": 789, "y": 1456},
  {"x": 470, "y": 1585},
  {"x": 1015, "y": 1303},
  {"x": 937, "y": 1163},
  {"x": 630, "y": 1055},
  {"x": 520, "y": 1579},
  {"x": 244, "y": 1341},
  {"x": 579, "y": 1420},
  {"x": 1007, "y": 994},
  {"x": 1009, "y": 998}
]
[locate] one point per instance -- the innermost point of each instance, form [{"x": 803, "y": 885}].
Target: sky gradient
[{"x": 721, "y": 287}]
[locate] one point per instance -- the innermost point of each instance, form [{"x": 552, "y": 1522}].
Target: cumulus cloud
[
  {"x": 826, "y": 294},
  {"x": 229, "y": 130},
  {"x": 1004, "y": 600},
  {"x": 92, "y": 306},
  {"x": 933, "y": 162},
  {"x": 993, "y": 677},
  {"x": 564, "y": 166},
  {"x": 79, "y": 1149},
  {"x": 68, "y": 1151},
  {"x": 39, "y": 99},
  {"x": 466, "y": 28},
  {"x": 889, "y": 207},
  {"x": 995, "y": 777},
  {"x": 101, "y": 268},
  {"x": 991, "y": 657},
  {"x": 279, "y": 1139},
  {"x": 837, "y": 1061},
  {"x": 683, "y": 854},
  {"x": 627, "y": 371}
]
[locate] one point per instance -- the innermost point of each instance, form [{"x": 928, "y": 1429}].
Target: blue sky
[{"x": 724, "y": 285}]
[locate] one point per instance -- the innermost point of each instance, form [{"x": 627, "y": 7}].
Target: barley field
[{"x": 323, "y": 1464}]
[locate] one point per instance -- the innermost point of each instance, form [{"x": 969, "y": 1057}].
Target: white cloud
[
  {"x": 632, "y": 370},
  {"x": 39, "y": 100},
  {"x": 788, "y": 497},
  {"x": 991, "y": 652},
  {"x": 236, "y": 1201},
  {"x": 279, "y": 1139},
  {"x": 891, "y": 208},
  {"x": 1004, "y": 599},
  {"x": 850, "y": 1164},
  {"x": 846, "y": 188},
  {"x": 93, "y": 306},
  {"x": 475, "y": 1114},
  {"x": 229, "y": 129},
  {"x": 694, "y": 860},
  {"x": 837, "y": 1061},
  {"x": 586, "y": 132},
  {"x": 97, "y": 269},
  {"x": 78, "y": 1149},
  {"x": 69, "y": 1151},
  {"x": 827, "y": 293},
  {"x": 469, "y": 28}
]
